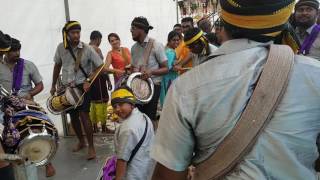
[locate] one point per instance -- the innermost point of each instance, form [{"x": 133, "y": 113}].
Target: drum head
[
  {"x": 142, "y": 89},
  {"x": 39, "y": 150},
  {"x": 73, "y": 95}
]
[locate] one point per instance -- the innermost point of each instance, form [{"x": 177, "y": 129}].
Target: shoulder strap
[
  {"x": 76, "y": 61},
  {"x": 147, "y": 51},
  {"x": 135, "y": 150},
  {"x": 261, "y": 106}
]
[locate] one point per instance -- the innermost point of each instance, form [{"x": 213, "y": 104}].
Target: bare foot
[
  {"x": 78, "y": 147},
  {"x": 91, "y": 154},
  {"x": 50, "y": 171}
]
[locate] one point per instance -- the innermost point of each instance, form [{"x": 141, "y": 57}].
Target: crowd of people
[{"x": 204, "y": 76}]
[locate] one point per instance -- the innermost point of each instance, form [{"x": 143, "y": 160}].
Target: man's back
[{"x": 211, "y": 99}]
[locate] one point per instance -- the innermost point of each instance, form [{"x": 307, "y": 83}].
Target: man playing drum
[
  {"x": 156, "y": 62},
  {"x": 205, "y": 104},
  {"x": 77, "y": 72},
  {"x": 18, "y": 75},
  {"x": 6, "y": 170}
]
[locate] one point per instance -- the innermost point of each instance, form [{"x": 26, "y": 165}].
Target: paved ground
[{"x": 74, "y": 166}]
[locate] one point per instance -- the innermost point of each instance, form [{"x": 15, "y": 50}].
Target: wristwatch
[{"x": 88, "y": 80}]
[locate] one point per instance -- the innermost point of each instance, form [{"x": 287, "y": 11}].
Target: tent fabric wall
[{"x": 38, "y": 23}]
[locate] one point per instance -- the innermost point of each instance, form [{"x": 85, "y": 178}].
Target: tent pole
[{"x": 66, "y": 9}]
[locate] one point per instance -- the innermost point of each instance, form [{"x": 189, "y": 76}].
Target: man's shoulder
[
  {"x": 306, "y": 61},
  {"x": 28, "y": 63},
  {"x": 60, "y": 46},
  {"x": 135, "y": 45},
  {"x": 156, "y": 43}
]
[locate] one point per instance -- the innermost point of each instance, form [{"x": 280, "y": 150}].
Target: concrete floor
[{"x": 74, "y": 166}]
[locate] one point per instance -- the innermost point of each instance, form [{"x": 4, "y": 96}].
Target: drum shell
[
  {"x": 65, "y": 100},
  {"x": 35, "y": 127}
]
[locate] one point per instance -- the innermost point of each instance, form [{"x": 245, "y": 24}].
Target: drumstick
[
  {"x": 94, "y": 78},
  {"x": 186, "y": 68}
]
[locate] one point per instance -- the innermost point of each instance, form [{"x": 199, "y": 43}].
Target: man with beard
[
  {"x": 156, "y": 63},
  {"x": 199, "y": 45},
  {"x": 79, "y": 63},
  {"x": 6, "y": 169},
  {"x": 19, "y": 75},
  {"x": 306, "y": 13}
]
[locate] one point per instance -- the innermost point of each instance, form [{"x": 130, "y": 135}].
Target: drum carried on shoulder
[
  {"x": 64, "y": 100},
  {"x": 28, "y": 131}
]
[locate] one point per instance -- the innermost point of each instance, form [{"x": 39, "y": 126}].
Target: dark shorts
[
  {"x": 7, "y": 173},
  {"x": 85, "y": 106},
  {"x": 150, "y": 109}
]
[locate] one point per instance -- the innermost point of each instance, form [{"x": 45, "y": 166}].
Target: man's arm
[
  {"x": 37, "y": 89},
  {"x": 162, "y": 70},
  {"x": 162, "y": 173},
  {"x": 55, "y": 76},
  {"x": 98, "y": 50},
  {"x": 121, "y": 168},
  {"x": 186, "y": 60}
]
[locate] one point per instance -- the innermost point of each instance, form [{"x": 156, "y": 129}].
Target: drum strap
[
  {"x": 135, "y": 150},
  {"x": 147, "y": 51},
  {"x": 261, "y": 106},
  {"x": 77, "y": 60}
]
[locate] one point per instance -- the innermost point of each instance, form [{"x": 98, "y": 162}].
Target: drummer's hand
[
  {"x": 86, "y": 86},
  {"x": 27, "y": 97},
  {"x": 177, "y": 67},
  {"x": 52, "y": 91},
  {"x": 146, "y": 74},
  {"x": 119, "y": 73}
]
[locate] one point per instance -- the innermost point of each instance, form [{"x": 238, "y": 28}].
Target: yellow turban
[
  {"x": 260, "y": 19},
  {"x": 122, "y": 95}
]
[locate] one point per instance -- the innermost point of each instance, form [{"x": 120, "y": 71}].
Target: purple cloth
[
  {"x": 307, "y": 43},
  {"x": 109, "y": 170},
  {"x": 17, "y": 75}
]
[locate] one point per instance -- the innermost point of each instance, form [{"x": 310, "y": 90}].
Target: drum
[
  {"x": 65, "y": 100},
  {"x": 38, "y": 141},
  {"x": 142, "y": 89}
]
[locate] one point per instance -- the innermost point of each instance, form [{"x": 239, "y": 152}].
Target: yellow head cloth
[
  {"x": 122, "y": 95},
  {"x": 69, "y": 26},
  {"x": 257, "y": 22},
  {"x": 5, "y": 49},
  {"x": 261, "y": 20},
  {"x": 195, "y": 38}
]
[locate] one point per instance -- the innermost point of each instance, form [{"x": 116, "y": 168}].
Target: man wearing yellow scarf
[
  {"x": 203, "y": 105},
  {"x": 79, "y": 64}
]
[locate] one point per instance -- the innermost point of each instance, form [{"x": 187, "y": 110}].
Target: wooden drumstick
[{"x": 94, "y": 78}]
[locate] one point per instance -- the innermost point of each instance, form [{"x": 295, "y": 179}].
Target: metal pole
[
  {"x": 66, "y": 9},
  {"x": 64, "y": 116},
  {"x": 177, "y": 9}
]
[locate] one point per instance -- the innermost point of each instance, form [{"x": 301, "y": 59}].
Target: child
[{"x": 135, "y": 127}]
